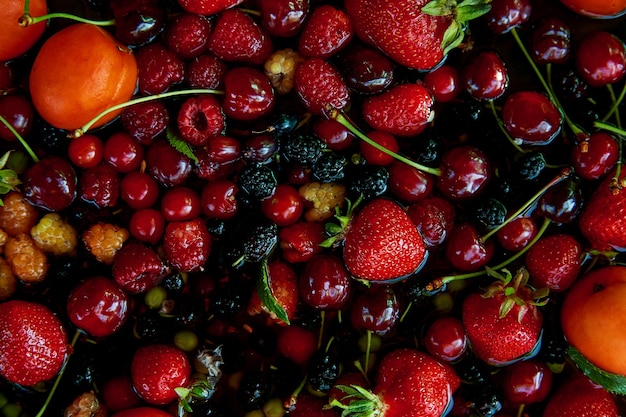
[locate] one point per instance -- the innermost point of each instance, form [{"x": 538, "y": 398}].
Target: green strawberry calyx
[
  {"x": 338, "y": 228},
  {"x": 361, "y": 402},
  {"x": 461, "y": 13},
  {"x": 516, "y": 292}
]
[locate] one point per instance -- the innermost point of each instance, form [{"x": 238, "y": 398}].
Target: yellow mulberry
[
  {"x": 54, "y": 235},
  {"x": 280, "y": 68},
  {"x": 323, "y": 198},
  {"x": 28, "y": 262},
  {"x": 8, "y": 283},
  {"x": 17, "y": 216},
  {"x": 103, "y": 240}
]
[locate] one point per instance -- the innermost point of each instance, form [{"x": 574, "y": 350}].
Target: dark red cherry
[
  {"x": 98, "y": 306},
  {"x": 443, "y": 82},
  {"x": 595, "y": 156},
  {"x": 139, "y": 190},
  {"x": 137, "y": 22},
  {"x": 367, "y": 71},
  {"x": 180, "y": 204},
  {"x": 123, "y": 152},
  {"x": 6, "y": 77},
  {"x": 505, "y": 15},
  {"x": 223, "y": 149},
  {"x": 446, "y": 339},
  {"x": 551, "y": 41},
  {"x": 485, "y": 76},
  {"x": 530, "y": 117},
  {"x": 465, "y": 250},
  {"x": 516, "y": 234},
  {"x": 260, "y": 148},
  {"x": 377, "y": 309},
  {"x": 372, "y": 155},
  {"x": 86, "y": 151},
  {"x": 409, "y": 184},
  {"x": 50, "y": 184},
  {"x": 527, "y": 382},
  {"x": 248, "y": 94},
  {"x": 562, "y": 202},
  {"x": 465, "y": 171},
  {"x": 325, "y": 283},
  {"x": 168, "y": 166},
  {"x": 147, "y": 225},
  {"x": 601, "y": 58},
  {"x": 284, "y": 207},
  {"x": 283, "y": 18},
  {"x": 334, "y": 134},
  {"x": 434, "y": 218},
  {"x": 19, "y": 112},
  {"x": 218, "y": 199}
]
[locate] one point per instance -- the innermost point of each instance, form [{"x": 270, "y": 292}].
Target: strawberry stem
[
  {"x": 82, "y": 130},
  {"x": 338, "y": 116},
  {"x": 20, "y": 139}
]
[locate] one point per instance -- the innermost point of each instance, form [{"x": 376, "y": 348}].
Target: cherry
[
  {"x": 19, "y": 112},
  {"x": 505, "y": 15},
  {"x": 123, "y": 152},
  {"x": 335, "y": 135},
  {"x": 374, "y": 156},
  {"x": 218, "y": 199},
  {"x": 208, "y": 169},
  {"x": 168, "y": 166},
  {"x": 595, "y": 156},
  {"x": 248, "y": 94},
  {"x": 465, "y": 250},
  {"x": 485, "y": 76},
  {"x": 446, "y": 339},
  {"x": 527, "y": 382},
  {"x": 434, "y": 218},
  {"x": 531, "y": 117},
  {"x": 301, "y": 241},
  {"x": 562, "y": 202},
  {"x": 180, "y": 204},
  {"x": 367, "y": 71},
  {"x": 187, "y": 35},
  {"x": 601, "y": 58},
  {"x": 551, "y": 41},
  {"x": 86, "y": 151},
  {"x": 100, "y": 185},
  {"x": 377, "y": 310},
  {"x": 465, "y": 171},
  {"x": 50, "y": 184},
  {"x": 139, "y": 190},
  {"x": 283, "y": 18},
  {"x": 409, "y": 184},
  {"x": 6, "y": 77},
  {"x": 443, "y": 82},
  {"x": 147, "y": 225},
  {"x": 517, "y": 233},
  {"x": 118, "y": 394},
  {"x": 297, "y": 344},
  {"x": 205, "y": 71},
  {"x": 260, "y": 148},
  {"x": 98, "y": 305},
  {"x": 137, "y": 22},
  {"x": 284, "y": 207},
  {"x": 145, "y": 121},
  {"x": 325, "y": 283},
  {"x": 223, "y": 149}
]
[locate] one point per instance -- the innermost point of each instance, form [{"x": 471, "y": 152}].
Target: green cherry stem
[
  {"x": 492, "y": 106},
  {"x": 339, "y": 117},
  {"x": 84, "y": 129},
  {"x": 616, "y": 101},
  {"x": 20, "y": 139},
  {"x": 26, "y": 19}
]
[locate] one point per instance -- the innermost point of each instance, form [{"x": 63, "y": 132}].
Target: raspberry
[
  {"x": 28, "y": 262},
  {"x": 8, "y": 283},
  {"x": 145, "y": 121},
  {"x": 324, "y": 198},
  {"x": 280, "y": 68},
  {"x": 100, "y": 186},
  {"x": 103, "y": 240},
  {"x": 187, "y": 244},
  {"x": 159, "y": 69},
  {"x": 201, "y": 118},
  {"x": 205, "y": 71},
  {"x": 17, "y": 216},
  {"x": 53, "y": 235}
]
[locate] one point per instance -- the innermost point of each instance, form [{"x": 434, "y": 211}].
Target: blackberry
[
  {"x": 174, "y": 283},
  {"x": 369, "y": 181},
  {"x": 227, "y": 301},
  {"x": 257, "y": 181},
  {"x": 428, "y": 149},
  {"x": 252, "y": 242},
  {"x": 490, "y": 212},
  {"x": 302, "y": 148},
  {"x": 329, "y": 167},
  {"x": 189, "y": 312},
  {"x": 529, "y": 166},
  {"x": 153, "y": 327},
  {"x": 82, "y": 369},
  {"x": 569, "y": 86},
  {"x": 553, "y": 350},
  {"x": 254, "y": 390},
  {"x": 263, "y": 341},
  {"x": 472, "y": 371},
  {"x": 487, "y": 402},
  {"x": 309, "y": 318},
  {"x": 52, "y": 139},
  {"x": 462, "y": 116},
  {"x": 323, "y": 371}
]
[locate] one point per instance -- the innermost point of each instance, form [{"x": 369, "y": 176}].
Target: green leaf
[
  {"x": 266, "y": 296},
  {"x": 4, "y": 159},
  {"x": 467, "y": 12},
  {"x": 180, "y": 145},
  {"x": 613, "y": 383}
]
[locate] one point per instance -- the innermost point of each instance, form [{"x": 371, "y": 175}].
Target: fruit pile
[{"x": 367, "y": 208}]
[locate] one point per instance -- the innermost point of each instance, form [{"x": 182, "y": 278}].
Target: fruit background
[{"x": 308, "y": 211}]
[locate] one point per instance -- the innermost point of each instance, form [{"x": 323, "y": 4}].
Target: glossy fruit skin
[
  {"x": 218, "y": 199},
  {"x": 325, "y": 283},
  {"x": 50, "y": 184},
  {"x": 554, "y": 262},
  {"x": 445, "y": 339},
  {"x": 443, "y": 82},
  {"x": 180, "y": 204},
  {"x": 208, "y": 8},
  {"x": 592, "y": 317},
  {"x": 597, "y": 9},
  {"x": 123, "y": 152},
  {"x": 531, "y": 117},
  {"x": 376, "y": 310},
  {"x": 409, "y": 184},
  {"x": 18, "y": 111},
  {"x": 516, "y": 234},
  {"x": 551, "y": 41},
  {"x": 283, "y": 18},
  {"x": 142, "y": 412},
  {"x": 465, "y": 250},
  {"x": 465, "y": 171},
  {"x": 168, "y": 166},
  {"x": 366, "y": 70},
  {"x": 601, "y": 58},
  {"x": 327, "y": 31},
  {"x": 595, "y": 156},
  {"x": 98, "y": 305},
  {"x": 527, "y": 382},
  {"x": 107, "y": 76},
  {"x": 15, "y": 39},
  {"x": 86, "y": 151},
  {"x": 485, "y": 77},
  {"x": 506, "y": 15},
  {"x": 248, "y": 94},
  {"x": 284, "y": 207},
  {"x": 147, "y": 225},
  {"x": 579, "y": 396}
]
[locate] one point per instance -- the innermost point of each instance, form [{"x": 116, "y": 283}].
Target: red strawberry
[
  {"x": 326, "y": 32},
  {"x": 207, "y": 7},
  {"x": 33, "y": 343},
  {"x": 138, "y": 268},
  {"x": 503, "y": 323},
  {"x": 404, "y": 31},
  {"x": 554, "y": 262},
  {"x": 403, "y": 110},
  {"x": 283, "y": 284},
  {"x": 382, "y": 243},
  {"x": 187, "y": 244},
  {"x": 409, "y": 383},
  {"x": 579, "y": 397},
  {"x": 156, "y": 370},
  {"x": 319, "y": 85},
  {"x": 237, "y": 37},
  {"x": 603, "y": 221}
]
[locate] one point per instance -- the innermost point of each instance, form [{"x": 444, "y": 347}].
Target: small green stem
[
  {"x": 27, "y": 20},
  {"x": 20, "y": 139},
  {"x": 82, "y": 130},
  {"x": 610, "y": 128},
  {"x": 616, "y": 103},
  {"x": 492, "y": 106},
  {"x": 368, "y": 351},
  {"x": 343, "y": 120}
]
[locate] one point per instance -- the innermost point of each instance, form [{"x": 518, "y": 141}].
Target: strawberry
[
  {"x": 603, "y": 221},
  {"x": 410, "y": 383},
  {"x": 33, "y": 342},
  {"x": 283, "y": 284},
  {"x": 157, "y": 370},
  {"x": 554, "y": 262},
  {"x": 320, "y": 86},
  {"x": 325, "y": 33},
  {"x": 503, "y": 323},
  {"x": 207, "y": 7},
  {"x": 238, "y": 38},
  {"x": 137, "y": 267},
  {"x": 403, "y": 110},
  {"x": 417, "y": 34},
  {"x": 580, "y": 397},
  {"x": 381, "y": 242}
]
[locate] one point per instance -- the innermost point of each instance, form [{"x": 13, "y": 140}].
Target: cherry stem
[
  {"x": 27, "y": 20},
  {"x": 338, "y": 116},
  {"x": 20, "y": 139},
  {"x": 82, "y": 130},
  {"x": 368, "y": 348},
  {"x": 450, "y": 278},
  {"x": 616, "y": 102},
  {"x": 618, "y": 121},
  {"x": 565, "y": 172},
  {"x": 320, "y": 336},
  {"x": 42, "y": 410},
  {"x": 577, "y": 130},
  {"x": 503, "y": 129}
]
